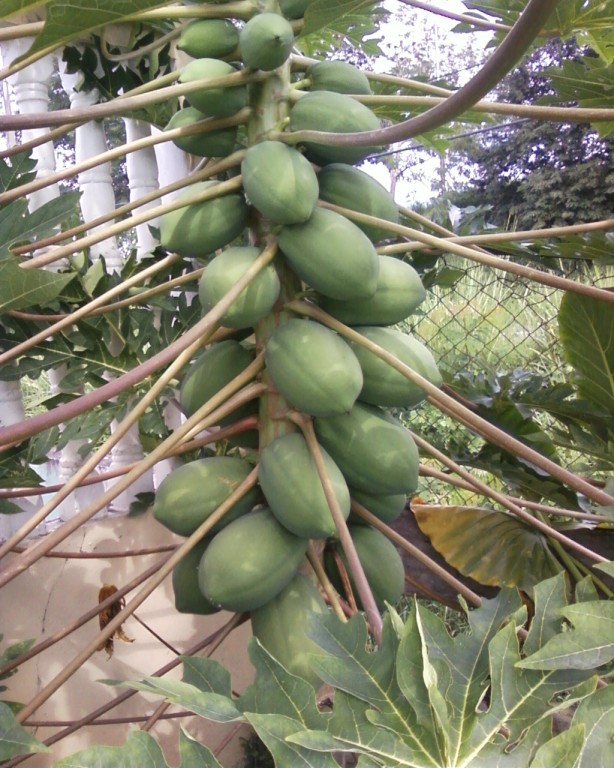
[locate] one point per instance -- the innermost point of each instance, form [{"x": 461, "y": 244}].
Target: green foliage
[{"x": 424, "y": 699}]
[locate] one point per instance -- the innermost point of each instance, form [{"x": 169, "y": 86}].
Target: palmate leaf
[
  {"x": 22, "y": 288},
  {"x": 18, "y": 226},
  {"x": 586, "y": 330},
  {"x": 589, "y": 644},
  {"x": 596, "y": 714},
  {"x": 70, "y": 19},
  {"x": 492, "y": 547},
  {"x": 14, "y": 738}
]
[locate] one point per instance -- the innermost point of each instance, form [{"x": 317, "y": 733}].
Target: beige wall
[{"x": 55, "y": 592}]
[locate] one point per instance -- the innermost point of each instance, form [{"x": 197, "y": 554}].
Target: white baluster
[
  {"x": 96, "y": 184},
  {"x": 142, "y": 179},
  {"x": 173, "y": 165},
  {"x": 31, "y": 93},
  {"x": 11, "y": 412}
]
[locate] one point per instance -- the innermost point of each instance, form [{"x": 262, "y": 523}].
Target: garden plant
[{"x": 273, "y": 308}]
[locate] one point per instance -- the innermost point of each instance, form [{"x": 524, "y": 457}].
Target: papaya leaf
[
  {"x": 606, "y": 568},
  {"x": 586, "y": 330},
  {"x": 193, "y": 754},
  {"x": 140, "y": 749},
  {"x": 21, "y": 288},
  {"x": 70, "y": 19},
  {"x": 18, "y": 226},
  {"x": 492, "y": 547},
  {"x": 596, "y": 714},
  {"x": 11, "y": 7},
  {"x": 588, "y": 644},
  {"x": 14, "y": 738},
  {"x": 276, "y": 732},
  {"x": 9, "y": 507},
  {"x": 19, "y": 170},
  {"x": 322, "y": 13},
  {"x": 562, "y": 751},
  {"x": 218, "y": 707}
]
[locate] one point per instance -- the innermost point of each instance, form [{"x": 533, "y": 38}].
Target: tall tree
[{"x": 538, "y": 173}]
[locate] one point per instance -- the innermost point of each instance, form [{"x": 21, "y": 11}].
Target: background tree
[{"x": 533, "y": 173}]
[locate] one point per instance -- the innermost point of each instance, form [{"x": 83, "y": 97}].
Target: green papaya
[
  {"x": 399, "y": 291},
  {"x": 313, "y": 368},
  {"x": 294, "y": 9},
  {"x": 279, "y": 182},
  {"x": 339, "y": 77},
  {"x": 249, "y": 562},
  {"x": 192, "y": 492},
  {"x": 333, "y": 113},
  {"x": 292, "y": 487},
  {"x": 330, "y": 254},
  {"x": 254, "y": 302},
  {"x": 209, "y": 38},
  {"x": 282, "y": 626},
  {"x": 352, "y": 188},
  {"x": 218, "y": 101},
  {"x": 383, "y": 385},
  {"x": 210, "y": 372},
  {"x": 374, "y": 451},
  {"x": 265, "y": 41},
  {"x": 386, "y": 508},
  {"x": 208, "y": 144},
  {"x": 184, "y": 579},
  {"x": 381, "y": 562},
  {"x": 198, "y": 229}
]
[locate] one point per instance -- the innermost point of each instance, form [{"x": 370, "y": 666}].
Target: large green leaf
[
  {"x": 489, "y": 546},
  {"x": 21, "y": 288},
  {"x": 14, "y": 738},
  {"x": 562, "y": 751},
  {"x": 18, "y": 226},
  {"x": 322, "y": 13},
  {"x": 70, "y": 19},
  {"x": 587, "y": 645},
  {"x": 596, "y": 714},
  {"x": 193, "y": 754},
  {"x": 587, "y": 333},
  {"x": 11, "y": 7}
]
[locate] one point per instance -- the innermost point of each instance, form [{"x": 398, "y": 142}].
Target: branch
[
  {"x": 522, "y": 34},
  {"x": 474, "y": 21}
]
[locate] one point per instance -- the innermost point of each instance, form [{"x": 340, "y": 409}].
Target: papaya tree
[{"x": 269, "y": 307}]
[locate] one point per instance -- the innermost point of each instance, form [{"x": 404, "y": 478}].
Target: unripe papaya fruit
[
  {"x": 210, "y": 372},
  {"x": 373, "y": 450},
  {"x": 333, "y": 113},
  {"x": 279, "y": 182},
  {"x": 209, "y": 38},
  {"x": 313, "y": 368},
  {"x": 339, "y": 77},
  {"x": 352, "y": 188},
  {"x": 292, "y": 487},
  {"x": 282, "y": 626},
  {"x": 197, "y": 229},
  {"x": 249, "y": 562},
  {"x": 266, "y": 41},
  {"x": 330, "y": 253},
  {"x": 383, "y": 385},
  {"x": 188, "y": 597},
  {"x": 209, "y": 144},
  {"x": 294, "y": 9},
  {"x": 190, "y": 493},
  {"x": 255, "y": 300},
  {"x": 398, "y": 293},
  {"x": 215, "y": 102},
  {"x": 381, "y": 562},
  {"x": 386, "y": 508}
]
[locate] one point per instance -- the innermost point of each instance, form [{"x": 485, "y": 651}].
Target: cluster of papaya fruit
[{"x": 252, "y": 559}]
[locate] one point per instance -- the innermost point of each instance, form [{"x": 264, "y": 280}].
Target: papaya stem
[
  {"x": 328, "y": 588},
  {"x": 478, "y": 424},
  {"x": 41, "y": 697},
  {"x": 412, "y": 550},
  {"x": 362, "y": 585},
  {"x": 477, "y": 254}
]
